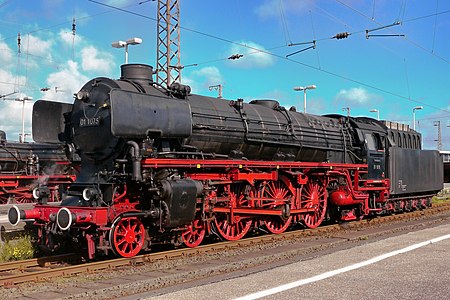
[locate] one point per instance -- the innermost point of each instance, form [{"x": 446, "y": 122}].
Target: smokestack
[{"x": 137, "y": 72}]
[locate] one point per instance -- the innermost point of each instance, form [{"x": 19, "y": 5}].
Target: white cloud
[
  {"x": 35, "y": 52},
  {"x": 272, "y": 8},
  {"x": 357, "y": 97},
  {"x": 37, "y": 46},
  {"x": 8, "y": 82},
  {"x": 195, "y": 88},
  {"x": 6, "y": 55},
  {"x": 65, "y": 83},
  {"x": 254, "y": 56},
  {"x": 68, "y": 38},
  {"x": 10, "y": 110},
  {"x": 211, "y": 74},
  {"x": 316, "y": 106},
  {"x": 200, "y": 80},
  {"x": 93, "y": 60},
  {"x": 11, "y": 119}
]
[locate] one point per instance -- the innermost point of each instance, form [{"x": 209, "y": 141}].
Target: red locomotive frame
[
  {"x": 237, "y": 195},
  {"x": 19, "y": 188}
]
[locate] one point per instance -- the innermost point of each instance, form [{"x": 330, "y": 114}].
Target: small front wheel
[{"x": 127, "y": 236}]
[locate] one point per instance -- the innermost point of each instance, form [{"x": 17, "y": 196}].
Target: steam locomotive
[
  {"x": 25, "y": 166},
  {"x": 162, "y": 165}
]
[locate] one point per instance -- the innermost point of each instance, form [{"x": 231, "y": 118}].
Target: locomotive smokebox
[{"x": 137, "y": 72}]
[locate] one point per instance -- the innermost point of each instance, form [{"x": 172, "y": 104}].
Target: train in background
[
  {"x": 26, "y": 166},
  {"x": 162, "y": 165}
]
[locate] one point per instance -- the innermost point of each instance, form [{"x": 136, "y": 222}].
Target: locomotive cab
[
  {"x": 375, "y": 153},
  {"x": 372, "y": 136}
]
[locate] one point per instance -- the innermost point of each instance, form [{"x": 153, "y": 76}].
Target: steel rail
[{"x": 26, "y": 274}]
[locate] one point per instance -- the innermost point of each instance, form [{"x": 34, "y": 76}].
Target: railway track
[
  {"x": 41, "y": 269},
  {"x": 17, "y": 272}
]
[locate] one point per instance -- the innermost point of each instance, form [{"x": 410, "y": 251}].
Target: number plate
[{"x": 90, "y": 122}]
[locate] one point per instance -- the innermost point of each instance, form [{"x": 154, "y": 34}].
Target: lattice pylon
[{"x": 168, "y": 52}]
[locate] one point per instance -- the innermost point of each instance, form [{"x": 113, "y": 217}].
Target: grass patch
[
  {"x": 440, "y": 199},
  {"x": 17, "y": 249}
]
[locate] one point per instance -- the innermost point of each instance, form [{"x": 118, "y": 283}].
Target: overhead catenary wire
[
  {"x": 287, "y": 36},
  {"x": 383, "y": 35},
  {"x": 257, "y": 50},
  {"x": 314, "y": 36},
  {"x": 65, "y": 23},
  {"x": 198, "y": 32},
  {"x": 426, "y": 16},
  {"x": 347, "y": 78},
  {"x": 26, "y": 62},
  {"x": 373, "y": 10},
  {"x": 403, "y": 9},
  {"x": 285, "y": 58},
  {"x": 354, "y": 31},
  {"x": 18, "y": 63},
  {"x": 205, "y": 34},
  {"x": 4, "y": 3},
  {"x": 55, "y": 64},
  {"x": 74, "y": 30},
  {"x": 406, "y": 38},
  {"x": 435, "y": 24},
  {"x": 313, "y": 46}
]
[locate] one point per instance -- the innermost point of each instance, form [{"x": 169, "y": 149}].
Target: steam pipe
[{"x": 136, "y": 159}]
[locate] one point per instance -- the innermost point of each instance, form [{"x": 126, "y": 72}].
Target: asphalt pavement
[{"x": 415, "y": 265}]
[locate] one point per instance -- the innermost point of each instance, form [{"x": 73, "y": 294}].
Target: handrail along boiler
[{"x": 166, "y": 166}]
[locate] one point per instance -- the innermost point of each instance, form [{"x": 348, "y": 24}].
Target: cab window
[{"x": 371, "y": 142}]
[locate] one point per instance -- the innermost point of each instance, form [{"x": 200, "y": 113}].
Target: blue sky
[{"x": 390, "y": 74}]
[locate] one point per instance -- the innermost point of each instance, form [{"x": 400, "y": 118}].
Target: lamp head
[
  {"x": 134, "y": 41},
  {"x": 119, "y": 44}
]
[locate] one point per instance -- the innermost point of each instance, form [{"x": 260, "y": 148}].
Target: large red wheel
[
  {"x": 194, "y": 234},
  {"x": 4, "y": 199},
  {"x": 24, "y": 198},
  {"x": 21, "y": 195},
  {"x": 127, "y": 236},
  {"x": 314, "y": 196},
  {"x": 230, "y": 226},
  {"x": 277, "y": 225},
  {"x": 278, "y": 195}
]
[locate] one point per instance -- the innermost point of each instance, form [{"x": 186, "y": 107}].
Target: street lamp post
[
  {"x": 304, "y": 88},
  {"x": 414, "y": 115},
  {"x": 121, "y": 44},
  {"x": 377, "y": 111},
  {"x": 23, "y": 99}
]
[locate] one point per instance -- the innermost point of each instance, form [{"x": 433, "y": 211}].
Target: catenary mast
[{"x": 168, "y": 44}]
